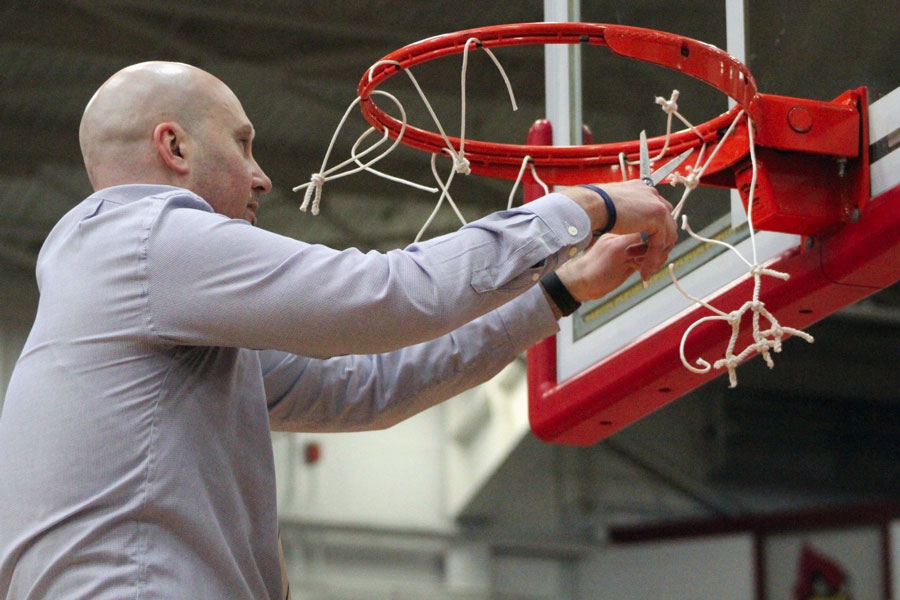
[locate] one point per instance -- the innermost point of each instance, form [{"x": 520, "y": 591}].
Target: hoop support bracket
[{"x": 813, "y": 163}]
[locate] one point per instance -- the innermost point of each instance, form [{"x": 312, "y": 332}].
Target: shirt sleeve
[
  {"x": 352, "y": 393},
  {"x": 221, "y": 282}
]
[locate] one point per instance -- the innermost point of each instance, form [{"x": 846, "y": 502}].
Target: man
[{"x": 135, "y": 454}]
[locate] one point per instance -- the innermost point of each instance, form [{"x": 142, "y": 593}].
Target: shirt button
[
  {"x": 535, "y": 277},
  {"x": 573, "y": 231},
  {"x": 573, "y": 251}
]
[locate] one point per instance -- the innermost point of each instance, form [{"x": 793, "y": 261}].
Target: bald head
[
  {"x": 174, "y": 124},
  {"x": 116, "y": 132}
]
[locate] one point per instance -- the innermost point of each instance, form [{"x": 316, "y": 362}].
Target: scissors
[{"x": 655, "y": 177}]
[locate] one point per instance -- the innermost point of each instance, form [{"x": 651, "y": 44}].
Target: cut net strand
[
  {"x": 527, "y": 161},
  {"x": 765, "y": 341},
  {"x": 313, "y": 194}
]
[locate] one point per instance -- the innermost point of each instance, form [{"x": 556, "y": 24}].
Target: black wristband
[
  {"x": 610, "y": 209},
  {"x": 559, "y": 293}
]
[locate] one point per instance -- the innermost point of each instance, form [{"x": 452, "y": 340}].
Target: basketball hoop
[
  {"x": 778, "y": 151},
  {"x": 815, "y": 133},
  {"x": 567, "y": 164}
]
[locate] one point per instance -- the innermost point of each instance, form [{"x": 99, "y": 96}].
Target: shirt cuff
[
  {"x": 528, "y": 319},
  {"x": 568, "y": 221}
]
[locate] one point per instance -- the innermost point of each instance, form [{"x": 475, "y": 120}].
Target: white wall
[
  {"x": 718, "y": 567},
  {"x": 484, "y": 425},
  {"x": 533, "y": 578},
  {"x": 391, "y": 479}
]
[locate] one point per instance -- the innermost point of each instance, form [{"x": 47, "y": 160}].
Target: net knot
[
  {"x": 670, "y": 106},
  {"x": 690, "y": 181},
  {"x": 777, "y": 335},
  {"x": 461, "y": 164},
  {"x": 731, "y": 364},
  {"x": 313, "y": 193}
]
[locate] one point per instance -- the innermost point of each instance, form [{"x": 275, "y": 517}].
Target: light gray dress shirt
[{"x": 135, "y": 453}]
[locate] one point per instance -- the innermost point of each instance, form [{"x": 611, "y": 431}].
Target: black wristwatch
[{"x": 560, "y": 294}]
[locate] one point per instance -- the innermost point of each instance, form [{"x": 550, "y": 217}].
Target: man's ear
[{"x": 171, "y": 144}]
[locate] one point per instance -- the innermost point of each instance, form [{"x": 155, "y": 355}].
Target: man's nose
[{"x": 261, "y": 181}]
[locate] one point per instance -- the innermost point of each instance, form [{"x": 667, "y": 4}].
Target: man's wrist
[
  {"x": 593, "y": 203},
  {"x": 559, "y": 294},
  {"x": 610, "y": 209}
]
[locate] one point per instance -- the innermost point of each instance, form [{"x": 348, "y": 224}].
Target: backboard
[{"x": 617, "y": 360}]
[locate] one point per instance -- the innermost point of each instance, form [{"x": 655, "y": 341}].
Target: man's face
[{"x": 224, "y": 172}]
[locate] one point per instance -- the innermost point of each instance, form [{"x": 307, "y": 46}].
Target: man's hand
[
  {"x": 639, "y": 208},
  {"x": 604, "y": 266}
]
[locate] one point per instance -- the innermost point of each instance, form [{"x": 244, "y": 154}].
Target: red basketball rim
[{"x": 570, "y": 164}]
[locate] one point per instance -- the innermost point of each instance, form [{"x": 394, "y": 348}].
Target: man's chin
[{"x": 251, "y": 214}]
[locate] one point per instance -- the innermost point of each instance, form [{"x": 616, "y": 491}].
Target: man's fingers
[
  {"x": 666, "y": 237},
  {"x": 672, "y": 229},
  {"x": 631, "y": 242},
  {"x": 644, "y": 210},
  {"x": 657, "y": 251},
  {"x": 648, "y": 269},
  {"x": 636, "y": 250}
]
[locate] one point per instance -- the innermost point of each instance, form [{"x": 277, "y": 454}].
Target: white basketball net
[{"x": 766, "y": 338}]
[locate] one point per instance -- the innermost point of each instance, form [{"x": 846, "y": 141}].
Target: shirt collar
[{"x": 135, "y": 191}]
